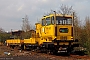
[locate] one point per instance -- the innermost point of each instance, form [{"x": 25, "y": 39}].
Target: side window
[
  {"x": 43, "y": 22},
  {"x": 52, "y": 19},
  {"x": 69, "y": 21},
  {"x": 48, "y": 21}
]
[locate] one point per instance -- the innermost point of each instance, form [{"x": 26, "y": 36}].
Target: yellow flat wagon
[{"x": 14, "y": 42}]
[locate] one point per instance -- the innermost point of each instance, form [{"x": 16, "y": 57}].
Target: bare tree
[
  {"x": 25, "y": 25},
  {"x": 26, "y": 28},
  {"x": 85, "y": 35},
  {"x": 87, "y": 27},
  {"x": 64, "y": 9},
  {"x": 77, "y": 26}
]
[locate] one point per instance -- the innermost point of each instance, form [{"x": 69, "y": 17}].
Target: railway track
[
  {"x": 56, "y": 57},
  {"x": 30, "y": 55},
  {"x": 85, "y": 57}
]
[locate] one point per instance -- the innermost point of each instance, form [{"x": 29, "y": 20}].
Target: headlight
[{"x": 71, "y": 37}]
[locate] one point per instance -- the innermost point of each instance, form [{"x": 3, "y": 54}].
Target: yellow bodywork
[
  {"x": 48, "y": 31},
  {"x": 38, "y": 30},
  {"x": 41, "y": 40},
  {"x": 29, "y": 41},
  {"x": 14, "y": 41},
  {"x": 64, "y": 36}
]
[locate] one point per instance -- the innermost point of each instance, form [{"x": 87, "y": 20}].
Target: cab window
[
  {"x": 43, "y": 22},
  {"x": 63, "y": 20},
  {"x": 52, "y": 19},
  {"x": 48, "y": 21}
]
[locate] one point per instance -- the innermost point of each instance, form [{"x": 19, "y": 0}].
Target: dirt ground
[{"x": 15, "y": 54}]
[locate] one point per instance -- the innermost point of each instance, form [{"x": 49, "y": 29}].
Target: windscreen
[{"x": 63, "y": 20}]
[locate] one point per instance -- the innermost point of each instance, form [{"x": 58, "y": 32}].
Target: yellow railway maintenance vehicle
[{"x": 55, "y": 35}]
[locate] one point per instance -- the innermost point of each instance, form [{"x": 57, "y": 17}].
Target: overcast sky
[{"x": 12, "y": 11}]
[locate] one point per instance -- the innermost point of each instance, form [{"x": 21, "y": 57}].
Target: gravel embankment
[{"x": 28, "y": 55}]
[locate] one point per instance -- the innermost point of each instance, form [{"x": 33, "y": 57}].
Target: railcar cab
[{"x": 57, "y": 26}]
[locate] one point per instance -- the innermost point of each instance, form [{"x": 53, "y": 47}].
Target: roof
[{"x": 50, "y": 15}]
